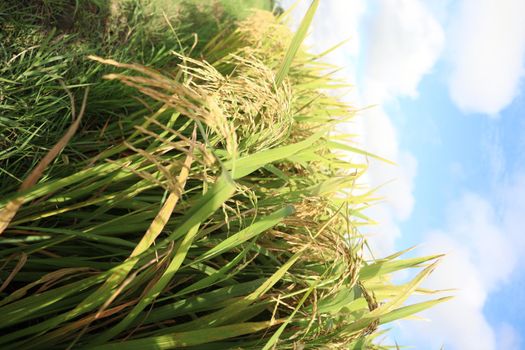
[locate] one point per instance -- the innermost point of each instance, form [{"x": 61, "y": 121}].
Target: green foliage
[
  {"x": 202, "y": 205},
  {"x": 45, "y": 42}
]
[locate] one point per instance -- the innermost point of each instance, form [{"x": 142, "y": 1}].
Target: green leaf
[
  {"x": 247, "y": 165},
  {"x": 153, "y": 292},
  {"x": 183, "y": 339},
  {"x": 348, "y": 148},
  {"x": 384, "y": 267},
  {"x": 248, "y": 233},
  {"x": 407, "y": 311},
  {"x": 296, "y": 43}
]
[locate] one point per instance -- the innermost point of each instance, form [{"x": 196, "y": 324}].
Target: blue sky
[{"x": 446, "y": 79}]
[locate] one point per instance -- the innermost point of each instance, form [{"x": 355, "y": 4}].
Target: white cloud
[
  {"x": 381, "y": 138},
  {"x": 481, "y": 255},
  {"x": 441, "y": 9},
  {"x": 404, "y": 42},
  {"x": 474, "y": 224},
  {"x": 509, "y": 338},
  {"x": 487, "y": 52}
]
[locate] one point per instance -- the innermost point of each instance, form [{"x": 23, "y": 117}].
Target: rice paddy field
[{"x": 169, "y": 178}]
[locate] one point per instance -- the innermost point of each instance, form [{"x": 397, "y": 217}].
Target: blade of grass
[
  {"x": 297, "y": 40},
  {"x": 196, "y": 337}
]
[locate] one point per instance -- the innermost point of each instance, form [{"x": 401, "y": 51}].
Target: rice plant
[{"x": 218, "y": 215}]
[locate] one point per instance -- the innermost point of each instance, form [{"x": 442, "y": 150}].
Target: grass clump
[
  {"x": 219, "y": 218},
  {"x": 46, "y": 42}
]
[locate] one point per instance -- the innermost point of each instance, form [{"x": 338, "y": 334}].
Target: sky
[{"x": 445, "y": 78}]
